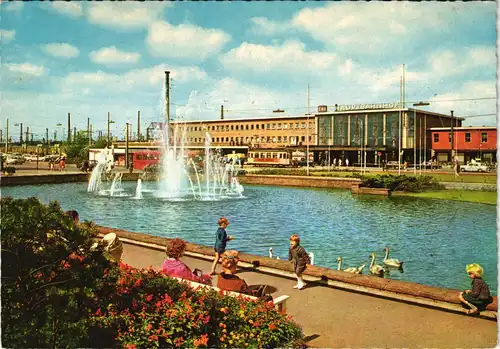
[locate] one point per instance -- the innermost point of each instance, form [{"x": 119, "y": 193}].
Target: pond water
[{"x": 434, "y": 238}]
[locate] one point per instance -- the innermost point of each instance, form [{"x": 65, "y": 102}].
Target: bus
[{"x": 141, "y": 159}]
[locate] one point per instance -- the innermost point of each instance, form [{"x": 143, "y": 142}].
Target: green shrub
[
  {"x": 400, "y": 183},
  {"x": 9, "y": 169},
  {"x": 49, "y": 276}
]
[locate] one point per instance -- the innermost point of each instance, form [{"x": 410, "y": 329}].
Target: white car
[
  {"x": 474, "y": 167},
  {"x": 31, "y": 157}
]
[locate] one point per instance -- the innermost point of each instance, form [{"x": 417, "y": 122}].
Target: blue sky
[{"x": 253, "y": 57}]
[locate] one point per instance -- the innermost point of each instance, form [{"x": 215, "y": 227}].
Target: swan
[
  {"x": 271, "y": 253},
  {"x": 352, "y": 270},
  {"x": 375, "y": 269},
  {"x": 391, "y": 262},
  {"x": 311, "y": 257}
]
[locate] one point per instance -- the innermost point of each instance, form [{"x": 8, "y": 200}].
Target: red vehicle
[{"x": 144, "y": 158}]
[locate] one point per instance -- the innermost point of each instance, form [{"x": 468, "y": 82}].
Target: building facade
[
  {"x": 469, "y": 142},
  {"x": 377, "y": 131}
]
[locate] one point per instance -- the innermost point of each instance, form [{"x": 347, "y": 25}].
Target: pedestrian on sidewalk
[
  {"x": 221, "y": 239},
  {"x": 300, "y": 259},
  {"x": 478, "y": 297}
]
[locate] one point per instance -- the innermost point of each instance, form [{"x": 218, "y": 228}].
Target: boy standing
[{"x": 300, "y": 259}]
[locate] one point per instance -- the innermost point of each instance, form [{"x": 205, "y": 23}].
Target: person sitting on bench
[
  {"x": 228, "y": 281},
  {"x": 172, "y": 266}
]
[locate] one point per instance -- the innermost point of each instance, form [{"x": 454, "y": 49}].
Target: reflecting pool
[{"x": 434, "y": 238}]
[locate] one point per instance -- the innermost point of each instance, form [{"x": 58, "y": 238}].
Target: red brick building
[{"x": 469, "y": 142}]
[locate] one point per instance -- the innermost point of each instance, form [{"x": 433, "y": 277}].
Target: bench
[{"x": 279, "y": 302}]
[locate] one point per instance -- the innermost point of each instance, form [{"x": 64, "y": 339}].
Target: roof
[
  {"x": 262, "y": 118},
  {"x": 464, "y": 128},
  {"x": 367, "y": 111}
]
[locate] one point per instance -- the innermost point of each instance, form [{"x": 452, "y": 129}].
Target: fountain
[{"x": 138, "y": 189}]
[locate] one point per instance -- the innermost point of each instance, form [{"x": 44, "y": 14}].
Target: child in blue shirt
[{"x": 221, "y": 239}]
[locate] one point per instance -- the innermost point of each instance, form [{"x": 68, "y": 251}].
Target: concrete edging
[{"x": 257, "y": 263}]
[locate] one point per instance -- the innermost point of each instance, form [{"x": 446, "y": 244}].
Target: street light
[
  {"x": 109, "y": 122},
  {"x": 419, "y": 104},
  {"x": 20, "y": 132}
]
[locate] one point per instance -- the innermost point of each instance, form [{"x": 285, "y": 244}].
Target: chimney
[{"x": 222, "y": 112}]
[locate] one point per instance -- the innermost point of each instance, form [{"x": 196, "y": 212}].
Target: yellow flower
[{"x": 250, "y": 321}]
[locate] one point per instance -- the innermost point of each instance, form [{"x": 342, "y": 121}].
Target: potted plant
[{"x": 9, "y": 170}]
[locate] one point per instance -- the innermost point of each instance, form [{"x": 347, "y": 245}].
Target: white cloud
[
  {"x": 255, "y": 101},
  {"x": 61, "y": 50},
  {"x": 7, "y": 36},
  {"x": 460, "y": 102},
  {"x": 72, "y": 9},
  {"x": 370, "y": 27},
  {"x": 448, "y": 63},
  {"x": 147, "y": 79},
  {"x": 14, "y": 6},
  {"x": 185, "y": 40},
  {"x": 27, "y": 69},
  {"x": 291, "y": 56},
  {"x": 111, "y": 56},
  {"x": 125, "y": 15},
  {"x": 264, "y": 26}
]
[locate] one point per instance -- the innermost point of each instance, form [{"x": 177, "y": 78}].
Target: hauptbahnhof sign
[{"x": 348, "y": 107}]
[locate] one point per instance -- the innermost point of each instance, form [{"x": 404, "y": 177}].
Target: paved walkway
[{"x": 333, "y": 318}]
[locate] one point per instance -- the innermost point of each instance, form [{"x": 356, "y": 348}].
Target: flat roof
[
  {"x": 464, "y": 128},
  {"x": 261, "y": 118},
  {"x": 367, "y": 111}
]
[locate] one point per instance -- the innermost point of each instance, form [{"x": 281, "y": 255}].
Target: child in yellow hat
[{"x": 478, "y": 297}]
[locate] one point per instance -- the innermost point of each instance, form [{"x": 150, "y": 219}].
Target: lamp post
[
  {"x": 109, "y": 122},
  {"x": 20, "y": 132},
  {"x": 419, "y": 104},
  {"x": 126, "y": 145},
  {"x": 58, "y": 125}
]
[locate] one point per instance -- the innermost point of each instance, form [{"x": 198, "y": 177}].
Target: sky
[{"x": 91, "y": 58}]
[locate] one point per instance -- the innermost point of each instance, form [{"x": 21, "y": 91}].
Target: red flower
[
  {"x": 178, "y": 342},
  {"x": 138, "y": 282},
  {"x": 149, "y": 298},
  {"x": 272, "y": 327},
  {"x": 66, "y": 265},
  {"x": 130, "y": 346},
  {"x": 149, "y": 327}
]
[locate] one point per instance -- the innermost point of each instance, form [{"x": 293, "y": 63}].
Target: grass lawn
[{"x": 483, "y": 197}]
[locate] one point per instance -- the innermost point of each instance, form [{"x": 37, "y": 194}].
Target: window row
[
  {"x": 263, "y": 139},
  {"x": 269, "y": 126},
  {"x": 484, "y": 137},
  {"x": 272, "y": 155}
]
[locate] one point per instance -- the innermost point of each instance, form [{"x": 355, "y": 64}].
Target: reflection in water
[{"x": 434, "y": 238}]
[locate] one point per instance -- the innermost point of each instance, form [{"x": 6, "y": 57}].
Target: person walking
[
  {"x": 300, "y": 259},
  {"x": 346, "y": 162},
  {"x": 221, "y": 239}
]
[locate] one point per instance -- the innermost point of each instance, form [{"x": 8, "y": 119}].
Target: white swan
[
  {"x": 311, "y": 257},
  {"x": 271, "y": 253},
  {"x": 375, "y": 269},
  {"x": 352, "y": 270},
  {"x": 391, "y": 262}
]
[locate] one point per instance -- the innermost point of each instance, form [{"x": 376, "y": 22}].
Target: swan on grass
[
  {"x": 391, "y": 262},
  {"x": 352, "y": 270},
  {"x": 375, "y": 269}
]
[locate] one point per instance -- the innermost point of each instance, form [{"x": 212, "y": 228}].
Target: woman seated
[
  {"x": 172, "y": 266},
  {"x": 113, "y": 247},
  {"x": 228, "y": 281}
]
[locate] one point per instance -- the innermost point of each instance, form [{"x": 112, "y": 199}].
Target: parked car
[
  {"x": 431, "y": 165},
  {"x": 392, "y": 165},
  {"x": 474, "y": 167},
  {"x": 31, "y": 157},
  {"x": 13, "y": 160}
]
